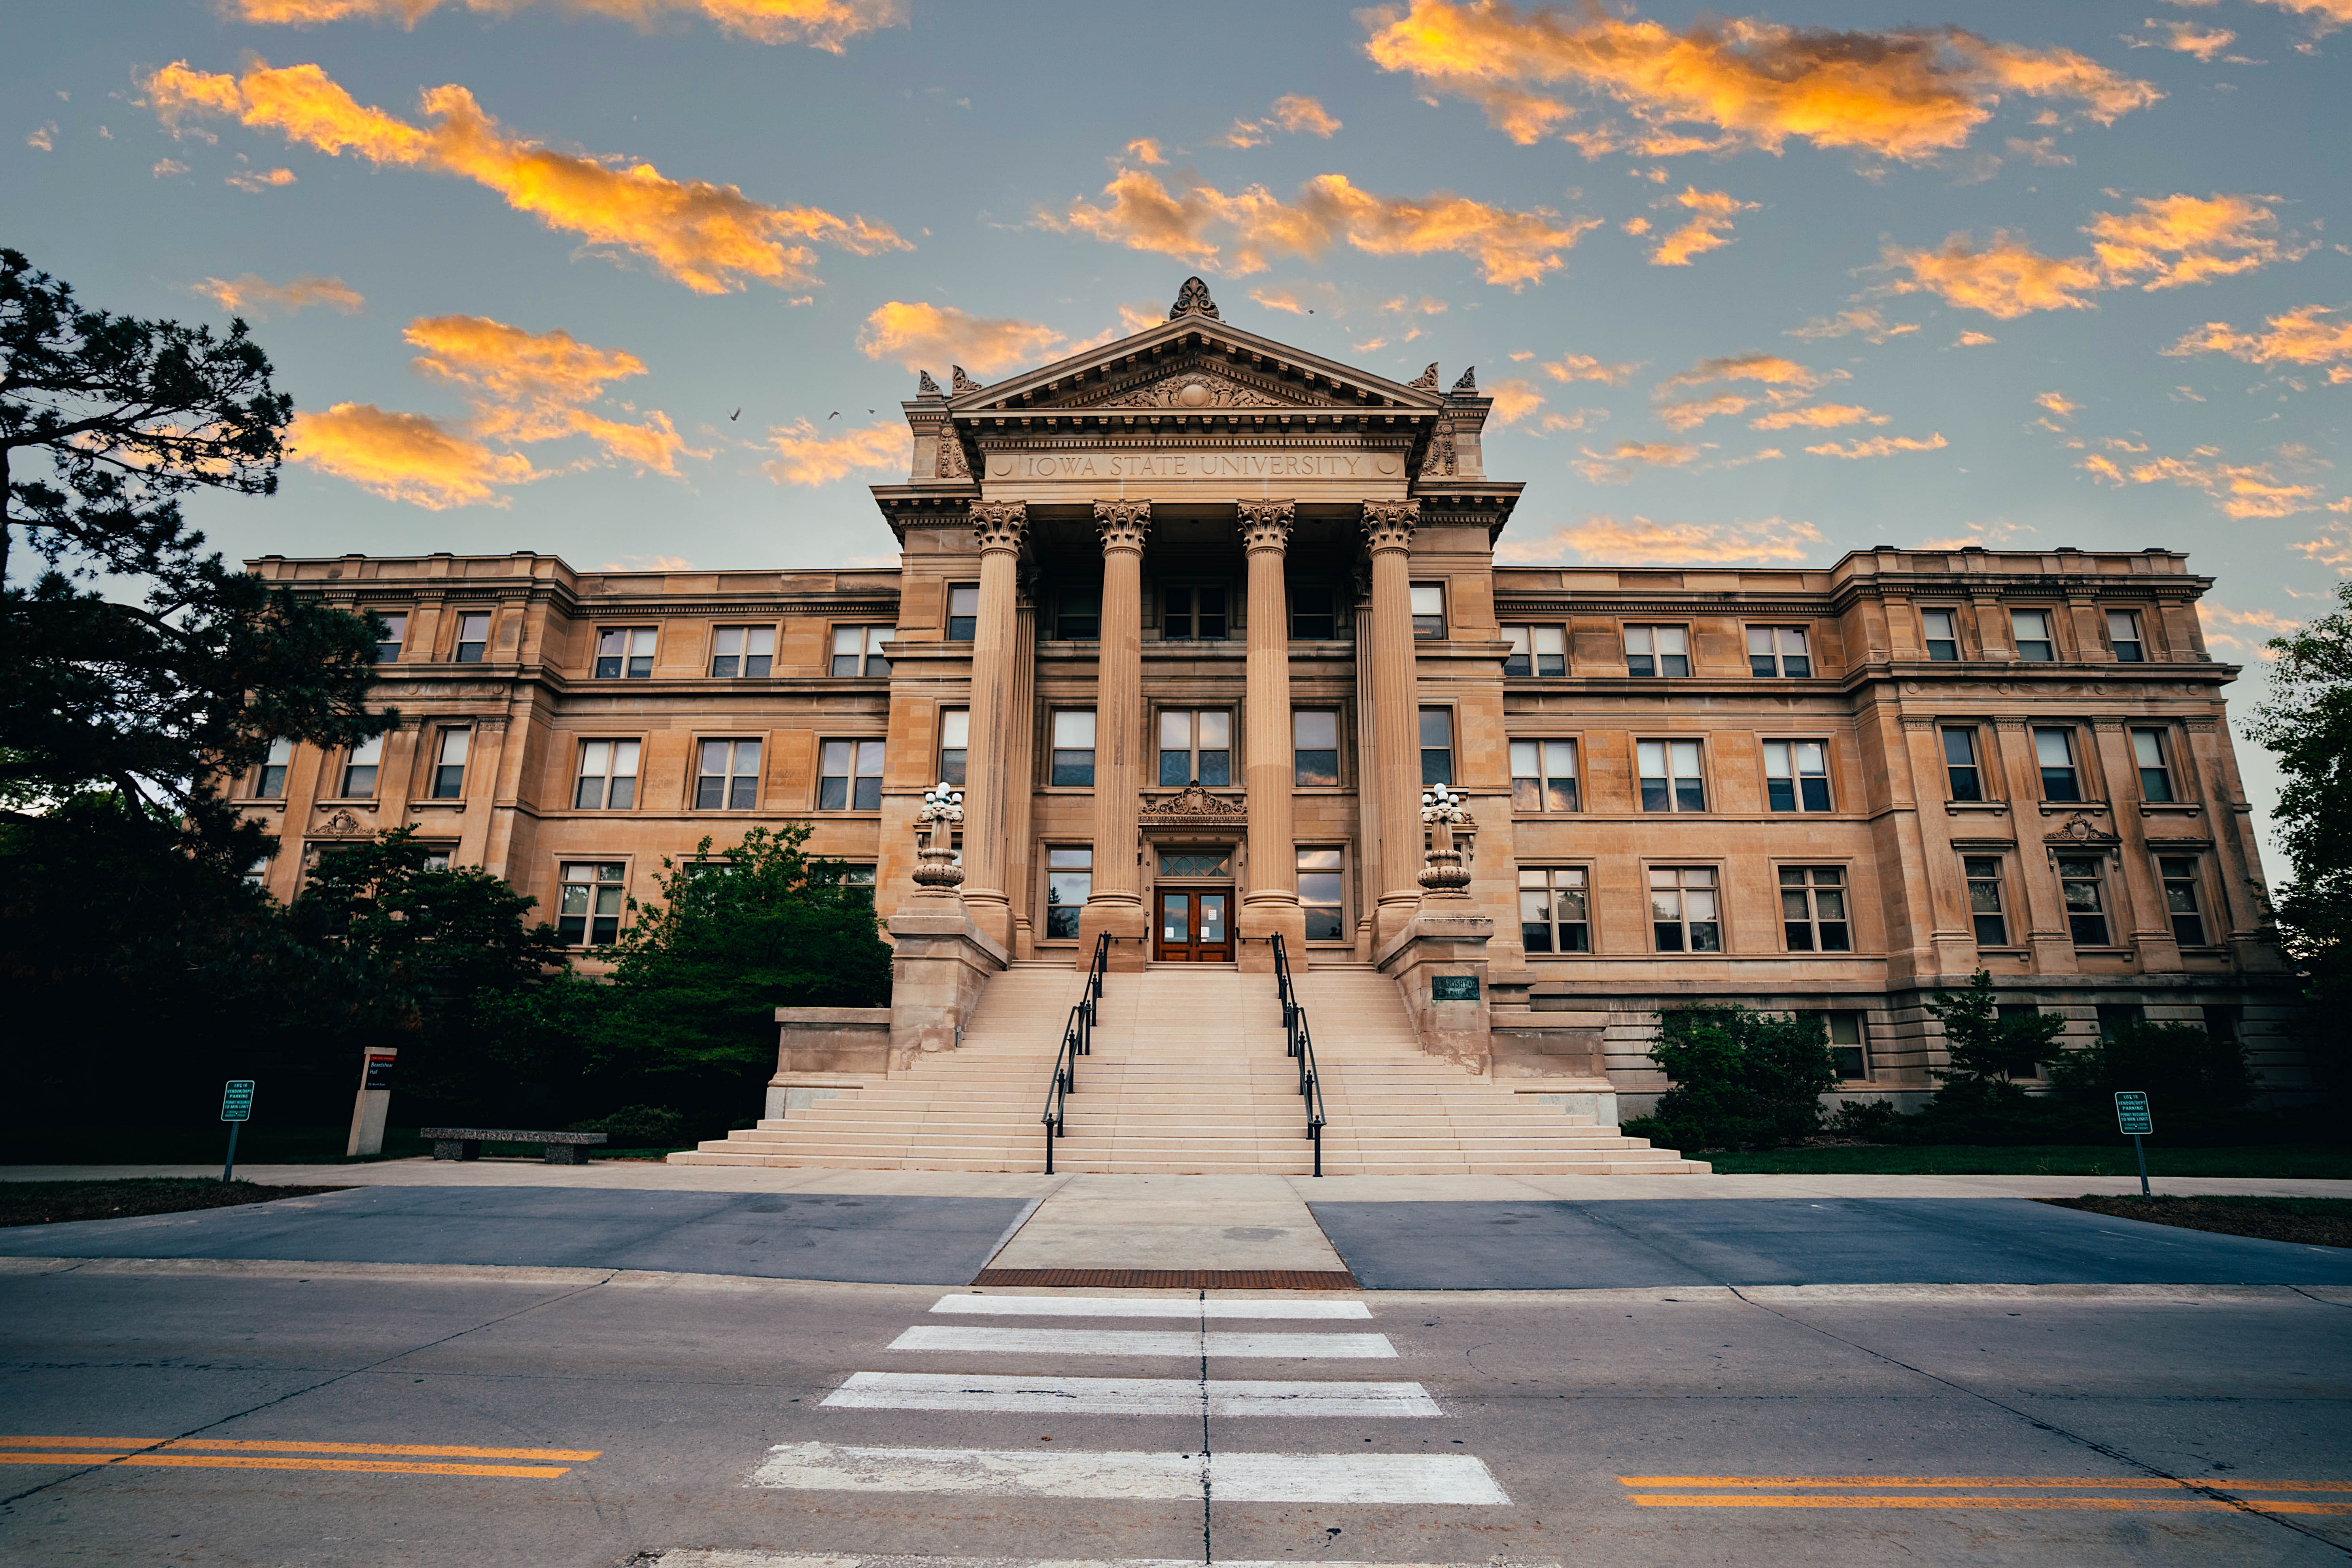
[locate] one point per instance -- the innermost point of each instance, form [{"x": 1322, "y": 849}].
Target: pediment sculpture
[{"x": 1191, "y": 804}]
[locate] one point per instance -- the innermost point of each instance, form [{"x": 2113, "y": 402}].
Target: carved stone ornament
[
  {"x": 924, "y": 386},
  {"x": 1195, "y": 391},
  {"x": 1266, "y": 524},
  {"x": 1439, "y": 461},
  {"x": 1192, "y": 299},
  {"x": 1388, "y": 524},
  {"x": 1427, "y": 380},
  {"x": 1189, "y": 807},
  {"x": 1000, "y": 524},
  {"x": 1468, "y": 385},
  {"x": 961, "y": 382},
  {"x": 343, "y": 825},
  {"x": 2080, "y": 832},
  {"x": 1122, "y": 524},
  {"x": 952, "y": 464}
]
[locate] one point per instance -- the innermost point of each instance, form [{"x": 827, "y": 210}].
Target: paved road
[{"x": 591, "y": 1419}]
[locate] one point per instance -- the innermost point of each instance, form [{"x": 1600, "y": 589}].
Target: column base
[
  {"x": 991, "y": 913},
  {"x": 1267, "y": 915},
  {"x": 1397, "y": 910},
  {"x": 1129, "y": 927}
]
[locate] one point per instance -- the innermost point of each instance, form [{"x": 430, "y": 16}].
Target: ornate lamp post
[
  {"x": 942, "y": 810},
  {"x": 1442, "y": 872}
]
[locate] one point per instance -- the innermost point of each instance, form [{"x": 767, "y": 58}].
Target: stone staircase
[{"x": 1189, "y": 1075}]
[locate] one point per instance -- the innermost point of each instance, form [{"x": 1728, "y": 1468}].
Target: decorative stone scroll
[
  {"x": 1468, "y": 385},
  {"x": 1266, "y": 524},
  {"x": 1122, "y": 524},
  {"x": 1427, "y": 380},
  {"x": 1196, "y": 391},
  {"x": 952, "y": 464},
  {"x": 1438, "y": 462},
  {"x": 924, "y": 386},
  {"x": 961, "y": 382},
  {"x": 1191, "y": 806},
  {"x": 1192, "y": 299},
  {"x": 2080, "y": 833}
]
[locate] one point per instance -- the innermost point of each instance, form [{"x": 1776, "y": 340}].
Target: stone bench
[{"x": 465, "y": 1143}]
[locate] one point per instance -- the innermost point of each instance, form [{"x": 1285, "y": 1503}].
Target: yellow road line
[
  {"x": 257, "y": 1462},
  {"x": 2218, "y": 1483},
  {"x": 579, "y": 1455},
  {"x": 2112, "y": 1505}
]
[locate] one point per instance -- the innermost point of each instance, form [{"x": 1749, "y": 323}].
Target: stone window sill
[
  {"x": 2066, "y": 807},
  {"x": 2005, "y": 952},
  {"x": 2171, "y": 808},
  {"x": 1975, "y": 807},
  {"x": 2103, "y": 952}
]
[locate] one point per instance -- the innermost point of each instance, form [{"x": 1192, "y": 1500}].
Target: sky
[{"x": 640, "y": 282}]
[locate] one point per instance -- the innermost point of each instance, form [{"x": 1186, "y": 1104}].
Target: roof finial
[
  {"x": 924, "y": 386},
  {"x": 961, "y": 382},
  {"x": 1427, "y": 380},
  {"x": 1193, "y": 299},
  {"x": 1468, "y": 385}
]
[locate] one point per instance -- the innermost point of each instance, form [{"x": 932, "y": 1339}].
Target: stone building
[{"x": 1192, "y": 617}]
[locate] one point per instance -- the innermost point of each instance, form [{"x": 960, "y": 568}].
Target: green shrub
[
  {"x": 2177, "y": 1064},
  {"x": 638, "y": 1127},
  {"x": 1742, "y": 1079}
]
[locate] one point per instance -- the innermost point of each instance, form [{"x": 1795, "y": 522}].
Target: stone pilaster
[
  {"x": 1395, "y": 711},
  {"x": 1270, "y": 903},
  {"x": 996, "y": 675},
  {"x": 1116, "y": 905}
]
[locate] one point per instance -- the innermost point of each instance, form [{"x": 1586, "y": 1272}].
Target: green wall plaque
[{"x": 1453, "y": 988}]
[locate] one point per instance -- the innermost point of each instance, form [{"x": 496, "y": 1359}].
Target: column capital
[
  {"x": 1000, "y": 524},
  {"x": 1388, "y": 524},
  {"x": 1266, "y": 524},
  {"x": 1122, "y": 524}
]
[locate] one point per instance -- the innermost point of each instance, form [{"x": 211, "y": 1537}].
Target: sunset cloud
[
  {"x": 1771, "y": 369},
  {"x": 1866, "y": 320},
  {"x": 1820, "y": 416},
  {"x": 1973, "y": 340},
  {"x": 1301, "y": 115},
  {"x": 405, "y": 456},
  {"x": 1514, "y": 401},
  {"x": 1694, "y": 412},
  {"x": 1878, "y": 446},
  {"x": 2248, "y": 632},
  {"x": 1144, "y": 150},
  {"x": 1580, "y": 419},
  {"x": 2186, "y": 38},
  {"x": 1909, "y": 93},
  {"x": 1640, "y": 541},
  {"x": 2006, "y": 280},
  {"x": 250, "y": 294},
  {"x": 1708, "y": 229},
  {"x": 712, "y": 238},
  {"x": 1285, "y": 300},
  {"x": 1195, "y": 224},
  {"x": 919, "y": 336},
  {"x": 2242, "y": 490},
  {"x": 253, "y": 182},
  {"x": 821, "y": 24},
  {"x": 2298, "y": 337},
  {"x": 807, "y": 456},
  {"x": 1616, "y": 466},
  {"x": 1584, "y": 367}
]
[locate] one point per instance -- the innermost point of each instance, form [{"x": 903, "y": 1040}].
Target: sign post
[
  {"x": 371, "y": 1110},
  {"x": 2132, "y": 1117},
  {"x": 236, "y": 1110}
]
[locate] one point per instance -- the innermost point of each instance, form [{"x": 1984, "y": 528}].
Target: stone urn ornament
[
  {"x": 1442, "y": 872},
  {"x": 942, "y": 808}
]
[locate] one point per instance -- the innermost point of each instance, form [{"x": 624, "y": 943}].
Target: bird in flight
[
  {"x": 737, "y": 415},
  {"x": 834, "y": 415}
]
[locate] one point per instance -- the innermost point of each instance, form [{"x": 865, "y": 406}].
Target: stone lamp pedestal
[
  {"x": 1439, "y": 959},
  {"x": 944, "y": 960}
]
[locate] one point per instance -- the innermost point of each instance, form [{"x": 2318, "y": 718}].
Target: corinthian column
[
  {"x": 997, "y": 676},
  {"x": 1270, "y": 904},
  {"x": 1395, "y": 711},
  {"x": 1115, "y": 904}
]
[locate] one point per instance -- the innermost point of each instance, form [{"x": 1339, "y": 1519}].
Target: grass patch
[
  {"x": 2298, "y": 1162},
  {"x": 2312, "y": 1222},
  {"x": 53, "y": 1203}
]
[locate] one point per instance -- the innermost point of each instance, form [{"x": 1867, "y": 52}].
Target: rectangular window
[
  {"x": 608, "y": 776},
  {"x": 1553, "y": 913},
  {"x": 2179, "y": 876},
  {"x": 1311, "y": 619},
  {"x": 1322, "y": 892},
  {"x": 396, "y": 632},
  {"x": 1812, "y": 909},
  {"x": 2155, "y": 768},
  {"x": 1777, "y": 650},
  {"x": 1670, "y": 780},
  {"x": 861, "y": 650},
  {"x": 1437, "y": 746},
  {"x": 437, "y": 860},
  {"x": 2115, "y": 1017},
  {"x": 1429, "y": 609},
  {"x": 588, "y": 911},
  {"x": 258, "y": 876},
  {"x": 1543, "y": 775},
  {"x": 1070, "y": 882},
  {"x": 742, "y": 650},
  {"x": 473, "y": 637},
  {"x": 955, "y": 743},
  {"x": 1073, "y": 749},
  {"x": 1196, "y": 747},
  {"x": 359, "y": 768},
  {"x": 625, "y": 653},
  {"x": 727, "y": 775},
  {"x": 449, "y": 765},
  {"x": 1983, "y": 875},
  {"x": 1846, "y": 1047},
  {"x": 1192, "y": 612},
  {"x": 858, "y": 882},
  {"x": 1078, "y": 614},
  {"x": 2053, "y": 751},
  {"x": 1942, "y": 635},
  {"x": 848, "y": 776},
  {"x": 1535, "y": 650},
  {"x": 1960, "y": 764},
  {"x": 1657, "y": 650},
  {"x": 2123, "y": 636},
  {"x": 1683, "y": 915},
  {"x": 1315, "y": 748},
  {"x": 2085, "y": 898},
  {"x": 271, "y": 784},
  {"x": 963, "y": 611},
  {"x": 2035, "y": 643},
  {"x": 1797, "y": 775}
]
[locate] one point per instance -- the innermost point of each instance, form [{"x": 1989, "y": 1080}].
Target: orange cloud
[
  {"x": 1710, "y": 225},
  {"x": 1616, "y": 465},
  {"x": 1297, "y": 113},
  {"x": 920, "y": 336},
  {"x": 2007, "y": 280},
  {"x": 2225, "y": 627},
  {"x": 2188, "y": 38},
  {"x": 250, "y": 294},
  {"x": 2298, "y": 337},
  {"x": 712, "y": 238},
  {"x": 1584, "y": 367},
  {"x": 1772, "y": 370},
  {"x": 1144, "y": 150},
  {"x": 1583, "y": 419},
  {"x": 1639, "y": 541},
  {"x": 528, "y": 388},
  {"x": 1285, "y": 299},
  {"x": 1878, "y": 446},
  {"x": 1973, "y": 340},
  {"x": 1697, "y": 411},
  {"x": 806, "y": 456},
  {"x": 820, "y": 24},
  {"x": 1906, "y": 94},
  {"x": 1820, "y": 416},
  {"x": 1512, "y": 249},
  {"x": 253, "y": 182},
  {"x": 1866, "y": 320},
  {"x": 404, "y": 457},
  {"x": 2241, "y": 490},
  {"x": 1514, "y": 401}
]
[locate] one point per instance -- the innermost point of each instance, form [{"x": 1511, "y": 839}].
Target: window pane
[
  {"x": 2148, "y": 748},
  {"x": 1428, "y": 599},
  {"x": 1437, "y": 727},
  {"x": 1314, "y": 729},
  {"x": 1075, "y": 728},
  {"x": 832, "y": 757},
  {"x": 869, "y": 757},
  {"x": 1176, "y": 729}
]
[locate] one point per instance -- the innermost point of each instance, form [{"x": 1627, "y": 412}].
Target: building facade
[{"x": 1195, "y": 617}]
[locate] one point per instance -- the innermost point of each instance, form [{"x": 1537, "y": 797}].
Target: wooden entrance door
[{"x": 1195, "y": 926}]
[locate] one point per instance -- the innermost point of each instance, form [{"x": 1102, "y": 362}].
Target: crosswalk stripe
[
  {"x": 1146, "y": 1306},
  {"x": 721, "y": 1557},
  {"x": 1143, "y": 1342},
  {"x": 1129, "y": 1396},
  {"x": 1442, "y": 1479}
]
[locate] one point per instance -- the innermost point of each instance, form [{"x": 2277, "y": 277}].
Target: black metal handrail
[
  {"x": 1300, "y": 1041},
  {"x": 1077, "y": 1040}
]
